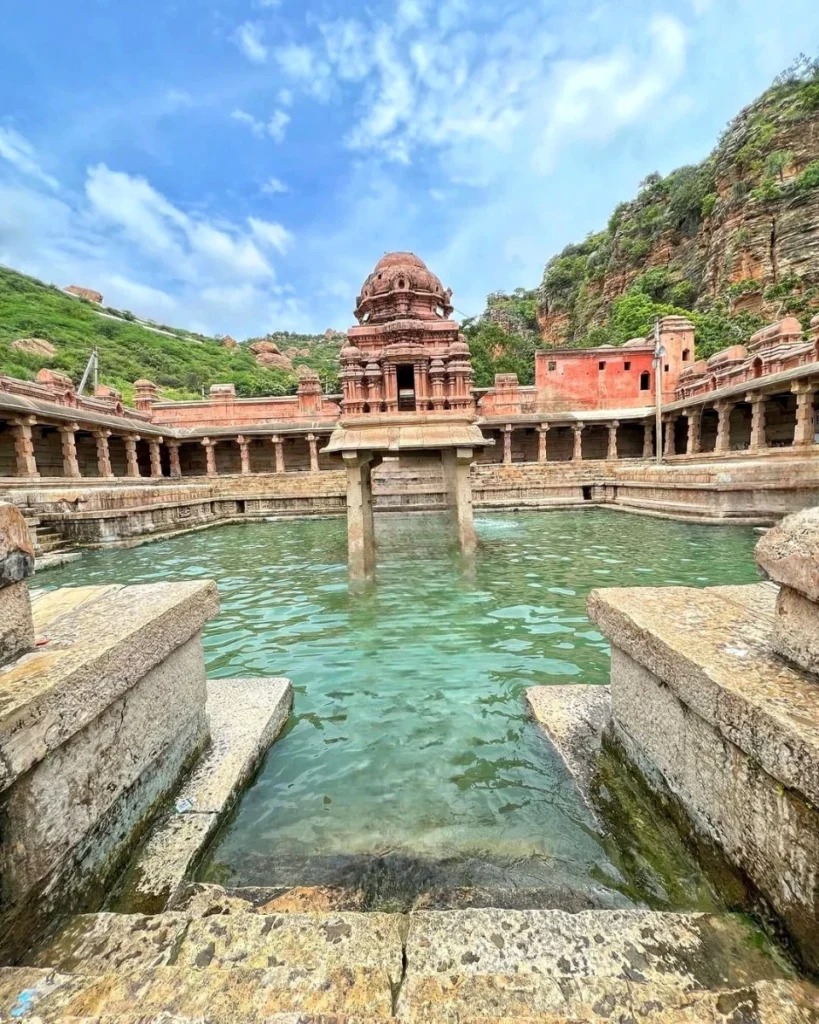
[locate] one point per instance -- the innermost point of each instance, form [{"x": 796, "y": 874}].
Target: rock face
[
  {"x": 35, "y": 347},
  {"x": 740, "y": 230},
  {"x": 229, "y": 343},
  {"x": 16, "y": 547},
  {"x": 266, "y": 353},
  {"x": 85, "y": 293}
]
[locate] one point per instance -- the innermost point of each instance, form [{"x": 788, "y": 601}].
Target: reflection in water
[{"x": 410, "y": 735}]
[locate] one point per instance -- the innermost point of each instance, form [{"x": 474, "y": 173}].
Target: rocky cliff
[{"x": 733, "y": 240}]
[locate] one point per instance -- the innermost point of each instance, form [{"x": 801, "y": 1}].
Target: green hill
[{"x": 181, "y": 362}]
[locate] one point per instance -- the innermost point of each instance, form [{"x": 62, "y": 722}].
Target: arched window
[
  {"x": 686, "y": 355},
  {"x": 645, "y": 381}
]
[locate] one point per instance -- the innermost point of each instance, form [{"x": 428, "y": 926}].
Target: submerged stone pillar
[
  {"x": 71, "y": 466},
  {"x": 312, "y": 440},
  {"x": 278, "y": 447},
  {"x": 156, "y": 457},
  {"x": 805, "y": 427},
  {"x": 724, "y": 410},
  {"x": 507, "y": 445},
  {"x": 360, "y": 525},
  {"x": 131, "y": 460},
  {"x": 694, "y": 417},
  {"x": 670, "y": 446},
  {"x": 542, "y": 430},
  {"x": 456, "y": 463},
  {"x": 648, "y": 439},
  {"x": 24, "y": 446},
  {"x": 210, "y": 455},
  {"x": 611, "y": 454},
  {"x": 758, "y": 435},
  {"x": 103, "y": 452},
  {"x": 244, "y": 454},
  {"x": 173, "y": 451},
  {"x": 577, "y": 454}
]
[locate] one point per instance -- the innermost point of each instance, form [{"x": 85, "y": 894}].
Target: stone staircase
[{"x": 223, "y": 959}]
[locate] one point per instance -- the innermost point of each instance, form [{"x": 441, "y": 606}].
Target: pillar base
[{"x": 456, "y": 463}]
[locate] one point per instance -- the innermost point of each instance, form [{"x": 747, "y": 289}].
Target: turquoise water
[{"x": 410, "y": 736}]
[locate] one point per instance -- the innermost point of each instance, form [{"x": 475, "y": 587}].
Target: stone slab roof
[{"x": 406, "y": 437}]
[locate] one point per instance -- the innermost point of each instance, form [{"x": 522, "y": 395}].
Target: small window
[
  {"x": 552, "y": 366},
  {"x": 686, "y": 354},
  {"x": 627, "y": 365},
  {"x": 587, "y": 494},
  {"x": 666, "y": 367},
  {"x": 601, "y": 366},
  {"x": 645, "y": 380}
]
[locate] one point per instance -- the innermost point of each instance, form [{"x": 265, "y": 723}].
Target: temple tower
[{"x": 407, "y": 388}]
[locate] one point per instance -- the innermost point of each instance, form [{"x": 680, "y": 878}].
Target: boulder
[
  {"x": 16, "y": 546},
  {"x": 267, "y": 354},
  {"x": 35, "y": 347},
  {"x": 85, "y": 293}
]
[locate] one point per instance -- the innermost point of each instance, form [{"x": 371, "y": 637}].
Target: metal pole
[{"x": 659, "y": 352}]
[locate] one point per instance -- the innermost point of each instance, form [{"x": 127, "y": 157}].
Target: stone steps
[{"x": 223, "y": 960}]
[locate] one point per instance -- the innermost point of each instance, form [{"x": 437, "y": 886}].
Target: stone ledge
[
  {"x": 92, "y": 649},
  {"x": 712, "y": 649},
  {"x": 246, "y": 716}
]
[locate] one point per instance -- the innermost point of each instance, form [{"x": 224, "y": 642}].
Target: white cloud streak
[
  {"x": 19, "y": 152},
  {"x": 250, "y": 40}
]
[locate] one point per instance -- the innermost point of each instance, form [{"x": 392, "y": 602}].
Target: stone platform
[{"x": 222, "y": 960}]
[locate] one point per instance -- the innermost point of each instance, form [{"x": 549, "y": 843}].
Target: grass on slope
[{"x": 180, "y": 365}]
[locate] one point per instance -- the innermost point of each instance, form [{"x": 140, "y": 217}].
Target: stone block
[
  {"x": 16, "y": 546},
  {"x": 789, "y": 553},
  {"x": 796, "y": 630},
  {"x": 16, "y": 624}
]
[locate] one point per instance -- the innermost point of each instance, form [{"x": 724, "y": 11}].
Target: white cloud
[
  {"x": 242, "y": 116},
  {"x": 270, "y": 234},
  {"x": 274, "y": 186},
  {"x": 249, "y": 38},
  {"x": 277, "y": 124},
  {"x": 285, "y": 97},
  {"x": 19, "y": 152}
]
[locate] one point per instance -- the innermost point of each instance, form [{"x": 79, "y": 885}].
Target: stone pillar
[
  {"x": 69, "y": 441},
  {"x": 131, "y": 454},
  {"x": 648, "y": 439},
  {"x": 312, "y": 440},
  {"x": 24, "y": 446},
  {"x": 724, "y": 428},
  {"x": 390, "y": 388},
  {"x": 360, "y": 525},
  {"x": 542, "y": 431},
  {"x": 103, "y": 453},
  {"x": 805, "y": 418},
  {"x": 611, "y": 455},
  {"x": 278, "y": 447},
  {"x": 758, "y": 436},
  {"x": 669, "y": 447},
  {"x": 456, "y": 463},
  {"x": 577, "y": 454},
  {"x": 507, "y": 445},
  {"x": 694, "y": 416},
  {"x": 210, "y": 455},
  {"x": 173, "y": 451},
  {"x": 244, "y": 454},
  {"x": 156, "y": 457}
]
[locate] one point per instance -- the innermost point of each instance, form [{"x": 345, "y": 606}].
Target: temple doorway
[{"x": 405, "y": 380}]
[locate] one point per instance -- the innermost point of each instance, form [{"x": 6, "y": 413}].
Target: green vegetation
[
  {"x": 182, "y": 365},
  {"x": 504, "y": 339}
]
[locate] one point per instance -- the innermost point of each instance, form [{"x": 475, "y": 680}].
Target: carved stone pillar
[
  {"x": 360, "y": 525},
  {"x": 131, "y": 461},
  {"x": 805, "y": 428},
  {"x": 210, "y": 455},
  {"x": 24, "y": 446},
  {"x": 71, "y": 466},
  {"x": 390, "y": 388},
  {"x": 758, "y": 434},
  {"x": 577, "y": 454},
  {"x": 648, "y": 439},
  {"x": 507, "y": 445},
  {"x": 692, "y": 445},
  {"x": 312, "y": 440},
  {"x": 156, "y": 457},
  {"x": 542, "y": 431},
  {"x": 173, "y": 451},
  {"x": 103, "y": 452},
  {"x": 611, "y": 454},
  {"x": 456, "y": 463},
  {"x": 670, "y": 446},
  {"x": 278, "y": 447},
  {"x": 244, "y": 454},
  {"x": 724, "y": 410}
]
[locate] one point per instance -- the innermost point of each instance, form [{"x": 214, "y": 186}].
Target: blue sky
[{"x": 238, "y": 166}]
